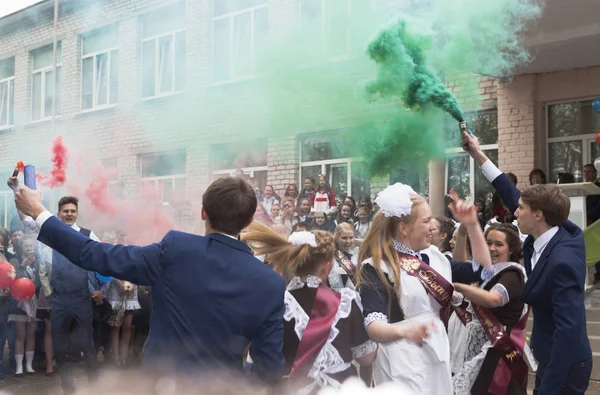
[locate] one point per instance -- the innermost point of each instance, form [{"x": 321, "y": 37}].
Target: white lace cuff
[
  {"x": 457, "y": 298},
  {"x": 364, "y": 349},
  {"x": 375, "y": 316},
  {"x": 503, "y": 293}
]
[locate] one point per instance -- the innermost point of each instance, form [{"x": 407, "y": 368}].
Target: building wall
[{"x": 134, "y": 126}]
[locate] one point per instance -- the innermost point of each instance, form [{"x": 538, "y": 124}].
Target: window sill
[
  {"x": 42, "y": 121},
  {"x": 163, "y": 96},
  {"x": 96, "y": 110},
  {"x": 235, "y": 81},
  {"x": 6, "y": 128}
]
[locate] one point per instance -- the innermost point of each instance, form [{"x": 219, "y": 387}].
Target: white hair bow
[{"x": 303, "y": 238}]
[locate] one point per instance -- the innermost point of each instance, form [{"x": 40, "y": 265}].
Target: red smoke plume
[{"x": 58, "y": 174}]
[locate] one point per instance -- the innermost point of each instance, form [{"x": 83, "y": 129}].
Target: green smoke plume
[{"x": 403, "y": 71}]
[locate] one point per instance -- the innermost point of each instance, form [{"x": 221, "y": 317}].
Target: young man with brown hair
[
  {"x": 210, "y": 296},
  {"x": 554, "y": 255}
]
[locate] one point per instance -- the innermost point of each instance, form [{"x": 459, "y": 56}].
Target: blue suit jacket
[
  {"x": 210, "y": 298},
  {"x": 555, "y": 290}
]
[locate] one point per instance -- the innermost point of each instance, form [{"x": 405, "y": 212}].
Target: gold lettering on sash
[{"x": 429, "y": 278}]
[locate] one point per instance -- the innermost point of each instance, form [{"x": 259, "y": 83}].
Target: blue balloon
[
  {"x": 596, "y": 105},
  {"x": 104, "y": 279}
]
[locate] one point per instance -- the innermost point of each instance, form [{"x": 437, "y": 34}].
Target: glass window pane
[
  {"x": 222, "y": 7},
  {"x": 594, "y": 151},
  {"x": 565, "y": 120},
  {"x": 338, "y": 179},
  {"x": 164, "y": 20},
  {"x": 261, "y": 35},
  {"x": 114, "y": 77},
  {"x": 48, "y": 94},
  {"x": 4, "y": 103},
  {"x": 564, "y": 157},
  {"x": 164, "y": 164},
  {"x": 311, "y": 15},
  {"x": 484, "y": 188},
  {"x": 243, "y": 155},
  {"x": 100, "y": 40},
  {"x": 87, "y": 83},
  {"x": 58, "y": 90},
  {"x": 11, "y": 101},
  {"x": 458, "y": 175},
  {"x": 337, "y": 27},
  {"x": 36, "y": 96},
  {"x": 309, "y": 171},
  {"x": 165, "y": 64},
  {"x": 102, "y": 79},
  {"x": 44, "y": 57},
  {"x": 242, "y": 41},
  {"x": 323, "y": 146},
  {"x": 7, "y": 68},
  {"x": 148, "y": 68},
  {"x": 260, "y": 179},
  {"x": 361, "y": 183},
  {"x": 180, "y": 64},
  {"x": 221, "y": 50}
]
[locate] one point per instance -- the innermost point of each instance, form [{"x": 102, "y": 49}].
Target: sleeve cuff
[
  {"x": 375, "y": 316},
  {"x": 490, "y": 171},
  {"x": 43, "y": 217}
]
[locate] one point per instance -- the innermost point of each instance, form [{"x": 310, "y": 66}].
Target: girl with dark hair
[
  {"x": 496, "y": 302},
  {"x": 320, "y": 222},
  {"x": 323, "y": 329},
  {"x": 444, "y": 229}
]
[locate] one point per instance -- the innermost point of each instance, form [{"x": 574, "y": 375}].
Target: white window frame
[
  {"x": 43, "y": 71},
  {"x": 157, "y": 78},
  {"x": 10, "y": 86},
  {"x": 157, "y": 179},
  {"x": 331, "y": 162},
  {"x": 325, "y": 31},
  {"x": 249, "y": 171},
  {"x": 231, "y": 17},
  {"x": 455, "y": 152},
  {"x": 586, "y": 139},
  {"x": 94, "y": 55},
  {"x": 6, "y": 196}
]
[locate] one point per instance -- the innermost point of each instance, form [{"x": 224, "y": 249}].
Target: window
[
  {"x": 571, "y": 130},
  {"x": 327, "y": 153},
  {"x": 249, "y": 156},
  {"x": 42, "y": 93},
  {"x": 111, "y": 172},
  {"x": 7, "y": 92},
  {"x": 240, "y": 30},
  {"x": 163, "y": 52},
  {"x": 461, "y": 174},
  {"x": 164, "y": 173},
  {"x": 6, "y": 208},
  {"x": 333, "y": 24},
  {"x": 99, "y": 68}
]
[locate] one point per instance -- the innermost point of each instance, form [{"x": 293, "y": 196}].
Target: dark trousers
[
  {"x": 64, "y": 312},
  {"x": 577, "y": 380}
]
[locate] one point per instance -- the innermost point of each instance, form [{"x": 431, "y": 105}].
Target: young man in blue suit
[
  {"x": 210, "y": 296},
  {"x": 554, "y": 255}
]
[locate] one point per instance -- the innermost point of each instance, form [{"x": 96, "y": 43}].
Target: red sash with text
[
  {"x": 317, "y": 330},
  {"x": 345, "y": 264},
  {"x": 510, "y": 345},
  {"x": 435, "y": 284}
]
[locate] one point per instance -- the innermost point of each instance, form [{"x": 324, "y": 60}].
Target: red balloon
[
  {"x": 7, "y": 275},
  {"x": 22, "y": 289},
  {"x": 598, "y": 137}
]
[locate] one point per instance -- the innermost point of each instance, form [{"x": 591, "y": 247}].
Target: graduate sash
[{"x": 510, "y": 345}]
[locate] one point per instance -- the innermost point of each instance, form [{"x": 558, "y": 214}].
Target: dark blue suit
[
  {"x": 555, "y": 290},
  {"x": 210, "y": 298}
]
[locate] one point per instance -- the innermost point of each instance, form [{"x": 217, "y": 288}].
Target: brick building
[{"x": 132, "y": 74}]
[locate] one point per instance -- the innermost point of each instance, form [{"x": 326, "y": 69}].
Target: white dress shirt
[
  {"x": 47, "y": 214},
  {"x": 540, "y": 244}
]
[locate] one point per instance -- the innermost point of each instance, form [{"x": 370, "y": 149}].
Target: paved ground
[{"x": 129, "y": 383}]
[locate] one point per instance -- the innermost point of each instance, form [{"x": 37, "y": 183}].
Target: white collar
[
  {"x": 312, "y": 281},
  {"x": 75, "y": 227},
  {"x": 541, "y": 242},
  {"x": 230, "y": 236},
  {"x": 404, "y": 249}
]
